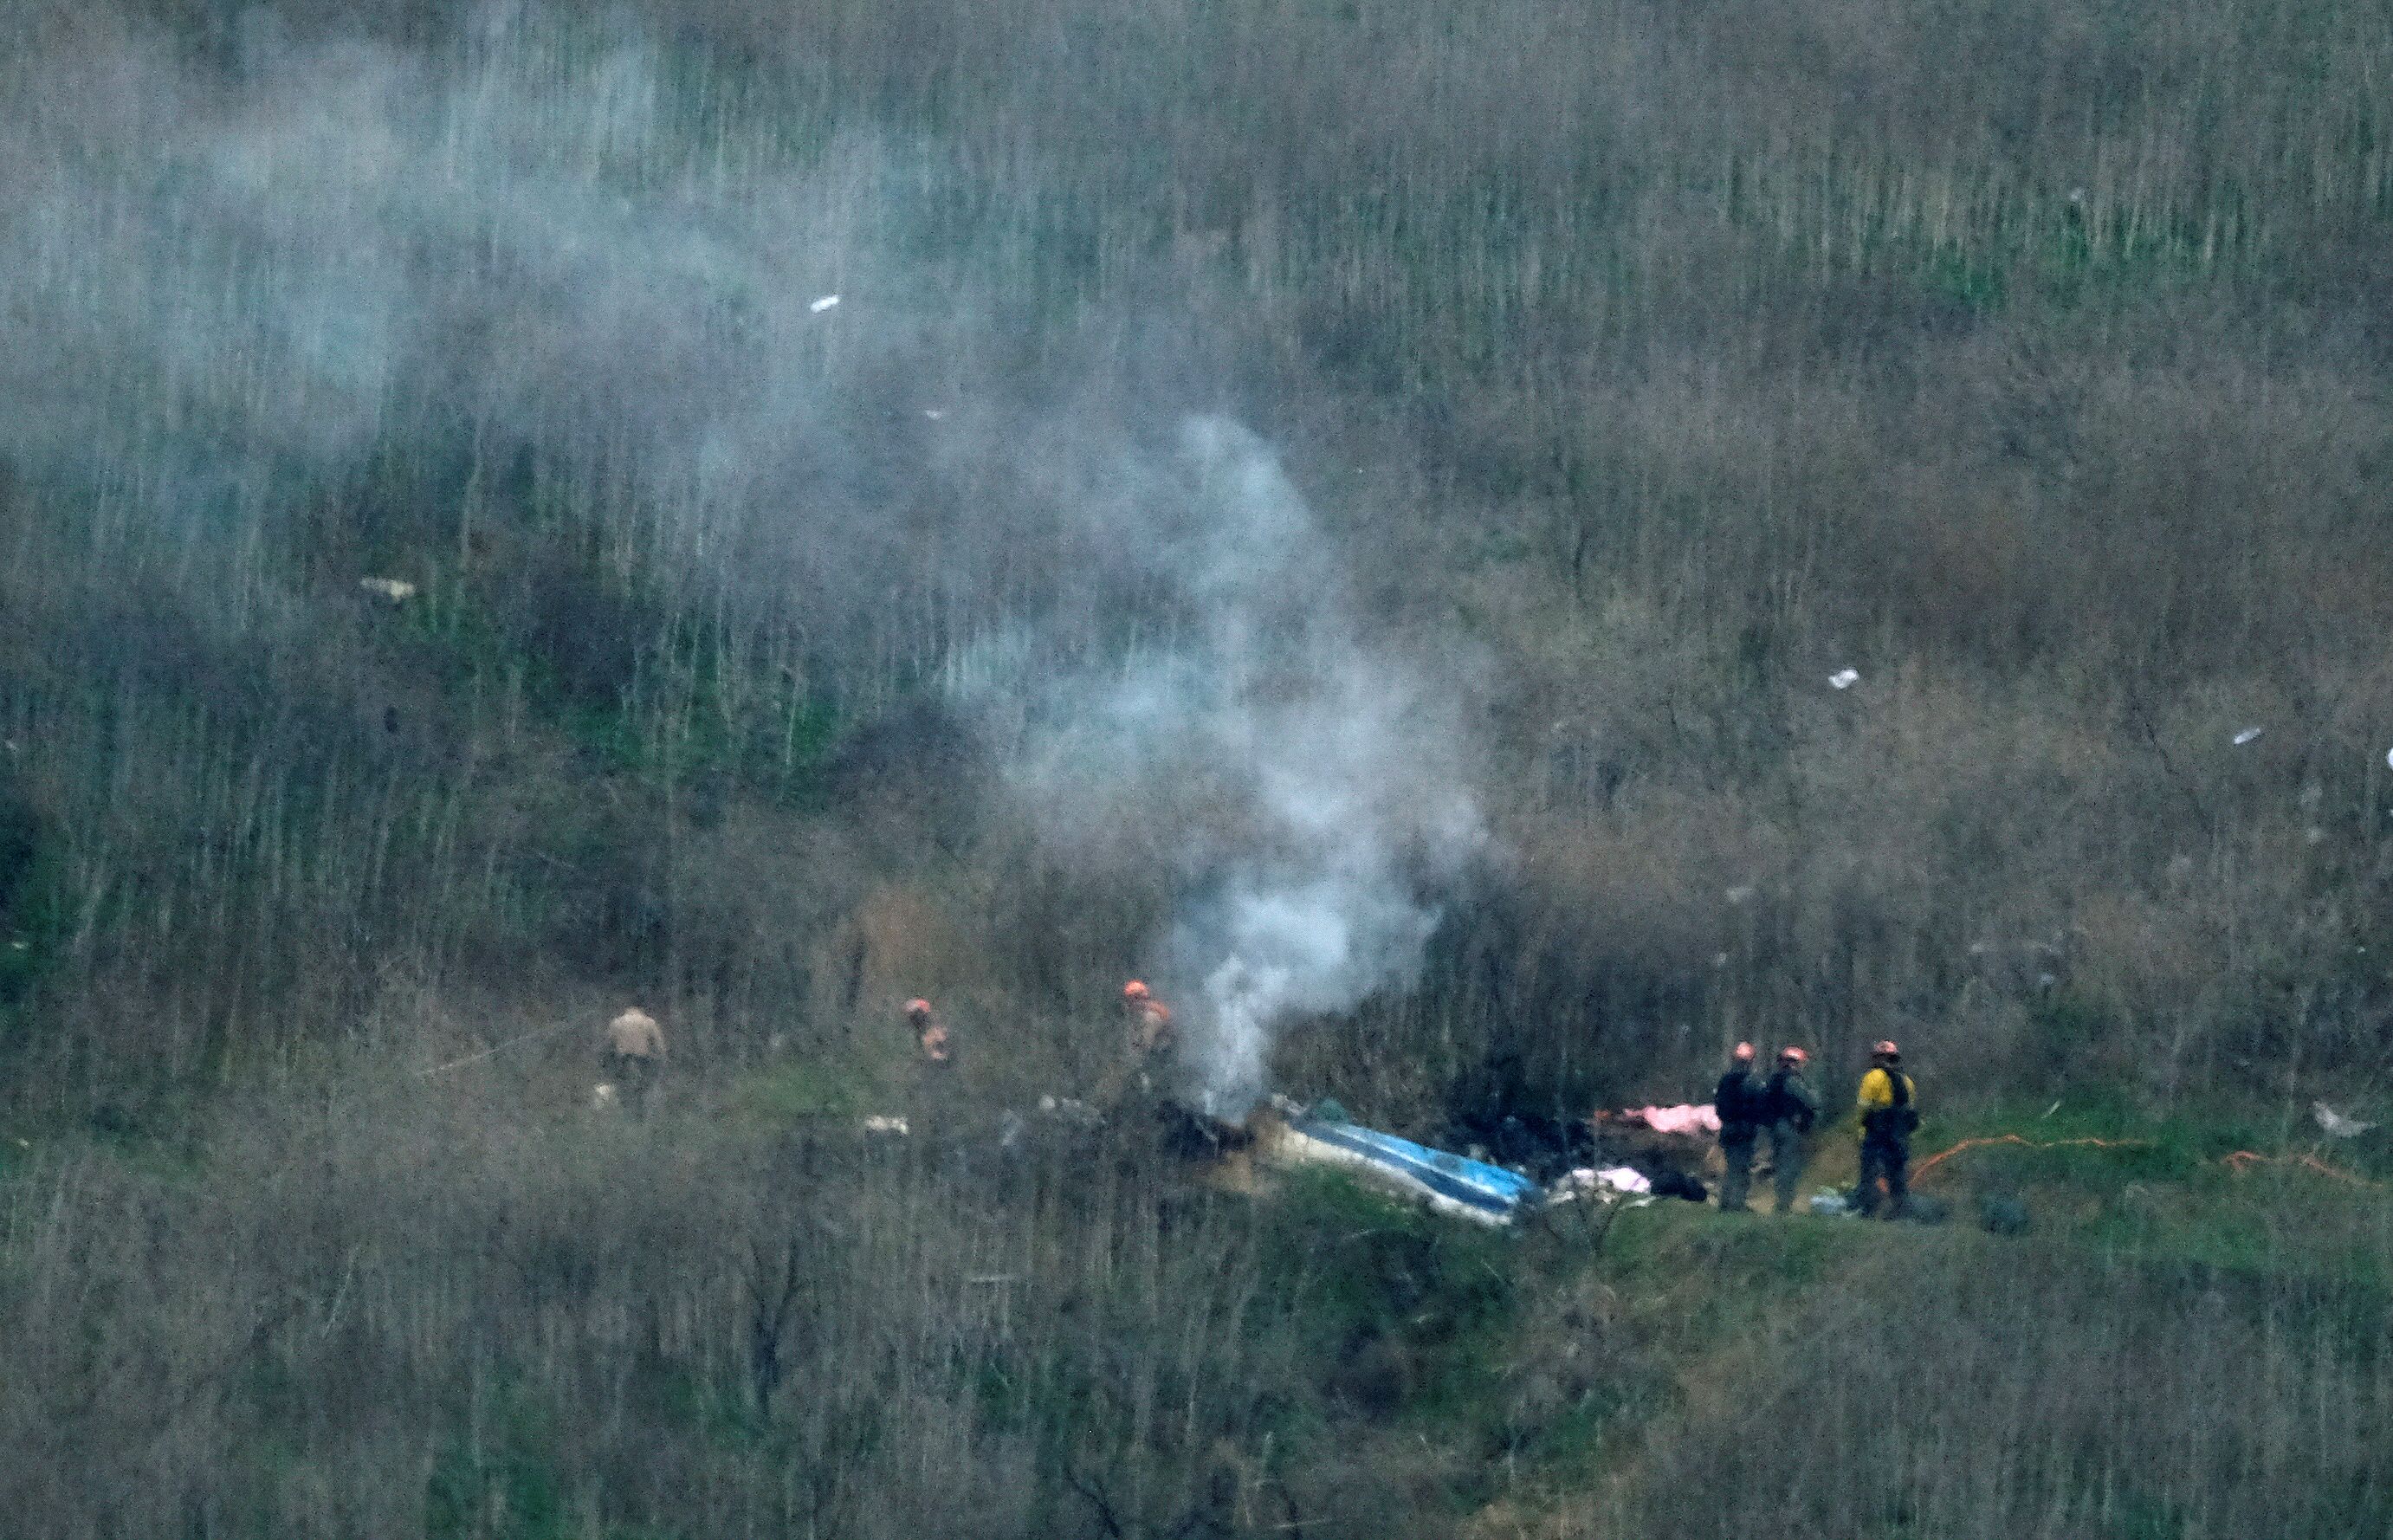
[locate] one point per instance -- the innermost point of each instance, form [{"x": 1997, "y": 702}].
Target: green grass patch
[
  {"x": 1409, "y": 1316},
  {"x": 809, "y": 1089},
  {"x": 2168, "y": 1188},
  {"x": 36, "y": 916},
  {"x": 496, "y": 1479}
]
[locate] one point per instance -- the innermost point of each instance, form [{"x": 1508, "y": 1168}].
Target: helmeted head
[
  {"x": 1793, "y": 1058},
  {"x": 1134, "y": 991},
  {"x": 918, "y": 1008},
  {"x": 1742, "y": 1053},
  {"x": 1886, "y": 1052}
]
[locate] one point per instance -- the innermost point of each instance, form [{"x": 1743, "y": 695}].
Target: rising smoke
[
  {"x": 1308, "y": 793},
  {"x": 235, "y": 286}
]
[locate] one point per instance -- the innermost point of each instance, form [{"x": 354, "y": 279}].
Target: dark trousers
[
  {"x": 635, "y": 1078},
  {"x": 1785, "y": 1162},
  {"x": 1736, "y": 1150},
  {"x": 1888, "y": 1160}
]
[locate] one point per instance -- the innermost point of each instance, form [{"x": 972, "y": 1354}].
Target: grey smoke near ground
[
  {"x": 229, "y": 288},
  {"x": 1308, "y": 793}
]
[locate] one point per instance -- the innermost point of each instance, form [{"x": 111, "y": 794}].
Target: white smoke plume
[
  {"x": 237, "y": 278},
  {"x": 236, "y": 287},
  {"x": 1308, "y": 793}
]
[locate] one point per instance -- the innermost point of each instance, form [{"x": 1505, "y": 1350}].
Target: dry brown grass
[
  {"x": 1672, "y": 360},
  {"x": 1654, "y": 362}
]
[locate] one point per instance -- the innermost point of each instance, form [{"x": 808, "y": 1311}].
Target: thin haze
[
  {"x": 232, "y": 287},
  {"x": 234, "y": 279}
]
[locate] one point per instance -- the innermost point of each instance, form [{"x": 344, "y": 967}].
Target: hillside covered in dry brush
[{"x": 1491, "y": 549}]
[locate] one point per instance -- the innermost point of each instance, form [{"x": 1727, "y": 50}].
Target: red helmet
[
  {"x": 1134, "y": 990},
  {"x": 1794, "y": 1056},
  {"x": 1744, "y": 1053},
  {"x": 918, "y": 1008}
]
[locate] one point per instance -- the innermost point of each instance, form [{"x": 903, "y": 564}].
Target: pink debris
[{"x": 1684, "y": 1118}]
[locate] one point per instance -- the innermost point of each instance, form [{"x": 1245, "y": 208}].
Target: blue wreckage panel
[{"x": 1472, "y": 1188}]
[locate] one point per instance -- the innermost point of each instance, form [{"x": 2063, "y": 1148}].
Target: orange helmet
[
  {"x": 1744, "y": 1053},
  {"x": 918, "y": 1008},
  {"x": 1886, "y": 1049},
  {"x": 1134, "y": 990},
  {"x": 1794, "y": 1056}
]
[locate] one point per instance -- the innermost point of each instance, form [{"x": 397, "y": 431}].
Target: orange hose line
[
  {"x": 1932, "y": 1161},
  {"x": 2243, "y": 1160},
  {"x": 2239, "y": 1162}
]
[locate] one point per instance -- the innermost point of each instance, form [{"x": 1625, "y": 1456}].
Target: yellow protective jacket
[{"x": 1877, "y": 1095}]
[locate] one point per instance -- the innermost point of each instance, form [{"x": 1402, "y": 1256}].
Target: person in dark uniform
[
  {"x": 1788, "y": 1111},
  {"x": 1737, "y": 1099}
]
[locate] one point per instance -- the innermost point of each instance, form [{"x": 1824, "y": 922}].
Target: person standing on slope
[
  {"x": 1737, "y": 1099},
  {"x": 1152, "y": 1038},
  {"x": 1150, "y": 1021},
  {"x": 1788, "y": 1111},
  {"x": 633, "y": 1056},
  {"x": 1889, "y": 1109},
  {"x": 930, "y": 1033}
]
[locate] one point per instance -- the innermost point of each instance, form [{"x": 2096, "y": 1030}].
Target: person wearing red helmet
[
  {"x": 1737, "y": 1099},
  {"x": 1788, "y": 1111},
  {"x": 1150, "y": 1020},
  {"x": 1889, "y": 1109},
  {"x": 930, "y": 1032}
]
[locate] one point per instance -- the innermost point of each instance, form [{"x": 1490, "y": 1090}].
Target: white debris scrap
[
  {"x": 880, "y": 1124},
  {"x": 1066, "y": 1107},
  {"x": 394, "y": 589},
  {"x": 2247, "y": 735},
  {"x": 1844, "y": 679},
  {"x": 2337, "y": 1125},
  {"x": 602, "y": 1096},
  {"x": 1612, "y": 1184},
  {"x": 827, "y": 302},
  {"x": 935, "y": 414}
]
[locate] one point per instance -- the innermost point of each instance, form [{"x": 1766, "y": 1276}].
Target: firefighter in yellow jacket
[{"x": 1889, "y": 1109}]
